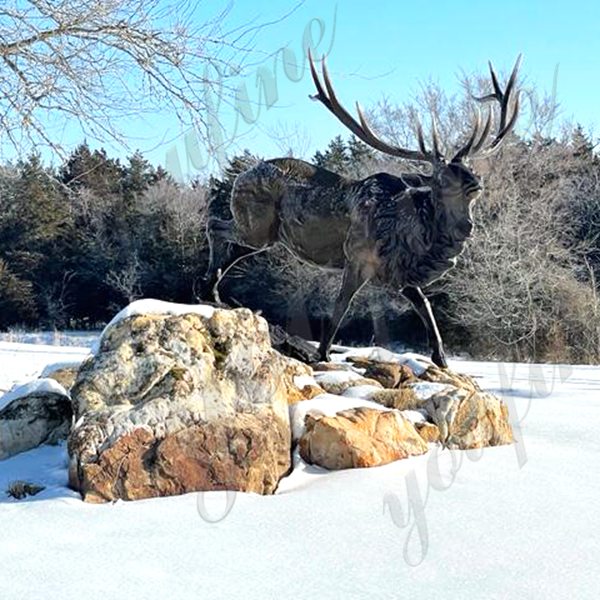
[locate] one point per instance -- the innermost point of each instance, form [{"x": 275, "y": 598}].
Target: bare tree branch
[{"x": 97, "y": 62}]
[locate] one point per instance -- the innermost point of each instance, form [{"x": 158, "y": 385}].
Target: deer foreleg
[
  {"x": 352, "y": 282},
  {"x": 423, "y": 308}
]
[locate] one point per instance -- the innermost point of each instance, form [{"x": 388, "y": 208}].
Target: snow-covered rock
[
  {"x": 360, "y": 391},
  {"x": 324, "y": 405},
  {"x": 31, "y": 388},
  {"x": 417, "y": 363},
  {"x": 390, "y": 375},
  {"x": 359, "y": 437},
  {"x": 469, "y": 418},
  {"x": 150, "y": 306},
  {"x": 33, "y": 414},
  {"x": 337, "y": 382},
  {"x": 458, "y": 413}
]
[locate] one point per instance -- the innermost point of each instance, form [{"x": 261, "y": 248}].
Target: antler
[
  {"x": 508, "y": 118},
  {"x": 326, "y": 95}
]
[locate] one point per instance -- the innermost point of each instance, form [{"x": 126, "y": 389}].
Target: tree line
[{"x": 80, "y": 241}]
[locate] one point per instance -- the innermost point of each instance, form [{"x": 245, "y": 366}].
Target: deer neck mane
[{"x": 453, "y": 228}]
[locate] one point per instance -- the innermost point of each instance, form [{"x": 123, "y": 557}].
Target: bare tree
[
  {"x": 54, "y": 297},
  {"x": 291, "y": 139},
  {"x": 127, "y": 280},
  {"x": 523, "y": 289},
  {"x": 185, "y": 209},
  {"x": 97, "y": 62}
]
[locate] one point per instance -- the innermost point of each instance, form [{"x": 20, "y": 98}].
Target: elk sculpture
[{"x": 400, "y": 231}]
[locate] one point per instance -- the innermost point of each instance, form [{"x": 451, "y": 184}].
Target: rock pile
[{"x": 180, "y": 398}]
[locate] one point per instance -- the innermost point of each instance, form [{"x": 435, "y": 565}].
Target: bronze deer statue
[{"x": 404, "y": 232}]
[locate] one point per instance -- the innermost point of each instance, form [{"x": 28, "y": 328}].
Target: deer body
[
  {"x": 393, "y": 227},
  {"x": 402, "y": 232}
]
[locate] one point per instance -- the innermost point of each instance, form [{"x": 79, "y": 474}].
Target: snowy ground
[
  {"x": 20, "y": 362},
  {"x": 512, "y": 522},
  {"x": 54, "y": 338}
]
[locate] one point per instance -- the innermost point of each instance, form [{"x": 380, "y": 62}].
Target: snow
[
  {"x": 48, "y": 369},
  {"x": 416, "y": 362},
  {"x": 20, "y": 363},
  {"x": 51, "y": 338},
  {"x": 38, "y": 386},
  {"x": 414, "y": 416},
  {"x": 336, "y": 377},
  {"x": 149, "y": 306},
  {"x": 300, "y": 381},
  {"x": 518, "y": 521},
  {"x": 360, "y": 391},
  {"x": 426, "y": 389}
]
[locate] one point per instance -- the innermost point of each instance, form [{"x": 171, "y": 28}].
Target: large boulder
[
  {"x": 359, "y": 437},
  {"x": 33, "y": 414},
  {"x": 180, "y": 399}
]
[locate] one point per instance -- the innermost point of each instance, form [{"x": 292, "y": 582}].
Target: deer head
[{"x": 452, "y": 181}]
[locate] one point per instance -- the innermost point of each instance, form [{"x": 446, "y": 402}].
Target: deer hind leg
[
  {"x": 255, "y": 225},
  {"x": 352, "y": 282},
  {"x": 220, "y": 235},
  {"x": 423, "y": 308}
]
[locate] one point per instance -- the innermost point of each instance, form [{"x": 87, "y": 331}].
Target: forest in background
[{"x": 80, "y": 241}]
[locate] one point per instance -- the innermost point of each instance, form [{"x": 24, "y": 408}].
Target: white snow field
[{"x": 518, "y": 521}]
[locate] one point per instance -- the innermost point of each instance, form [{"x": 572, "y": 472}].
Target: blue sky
[{"x": 387, "y": 47}]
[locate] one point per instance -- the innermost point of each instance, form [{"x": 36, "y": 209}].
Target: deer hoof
[
  {"x": 439, "y": 360},
  {"x": 324, "y": 356}
]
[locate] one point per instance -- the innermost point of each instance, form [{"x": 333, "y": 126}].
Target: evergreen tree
[
  {"x": 336, "y": 156},
  {"x": 346, "y": 158},
  {"x": 17, "y": 299},
  {"x": 34, "y": 224},
  {"x": 137, "y": 176},
  {"x": 359, "y": 154},
  {"x": 92, "y": 170},
  {"x": 581, "y": 143}
]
